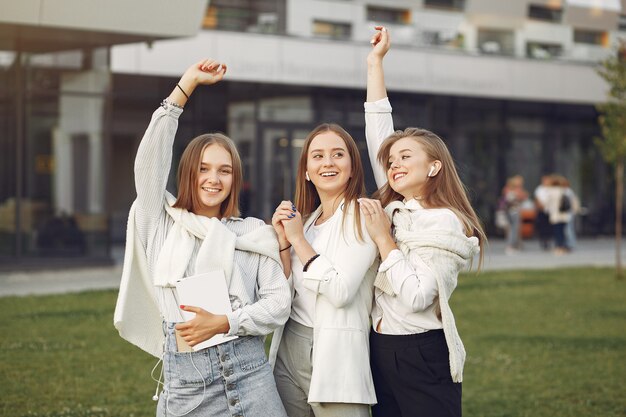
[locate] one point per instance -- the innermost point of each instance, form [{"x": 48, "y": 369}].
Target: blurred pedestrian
[
  {"x": 570, "y": 227},
  {"x": 542, "y": 221},
  {"x": 559, "y": 211},
  {"x": 513, "y": 194}
]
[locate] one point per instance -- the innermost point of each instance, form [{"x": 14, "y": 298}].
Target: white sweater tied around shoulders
[
  {"x": 446, "y": 253},
  {"x": 137, "y": 316}
]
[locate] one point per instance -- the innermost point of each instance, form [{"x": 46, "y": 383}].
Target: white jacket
[{"x": 343, "y": 277}]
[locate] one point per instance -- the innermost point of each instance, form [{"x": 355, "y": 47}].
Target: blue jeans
[
  {"x": 230, "y": 379},
  {"x": 570, "y": 233},
  {"x": 513, "y": 235},
  {"x": 559, "y": 235}
]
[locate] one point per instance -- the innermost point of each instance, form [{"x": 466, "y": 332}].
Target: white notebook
[{"x": 207, "y": 291}]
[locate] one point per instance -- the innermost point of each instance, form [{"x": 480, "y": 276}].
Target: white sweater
[
  {"x": 445, "y": 252},
  {"x": 259, "y": 292}
]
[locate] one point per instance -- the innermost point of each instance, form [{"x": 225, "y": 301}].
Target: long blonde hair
[
  {"x": 444, "y": 190},
  {"x": 307, "y": 198},
  {"x": 189, "y": 167}
]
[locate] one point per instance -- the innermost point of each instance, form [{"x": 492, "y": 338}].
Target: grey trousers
[{"x": 292, "y": 373}]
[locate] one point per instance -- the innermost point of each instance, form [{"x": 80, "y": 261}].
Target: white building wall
[
  {"x": 548, "y": 32},
  {"x": 161, "y": 18},
  {"x": 317, "y": 62},
  {"x": 458, "y": 69}
]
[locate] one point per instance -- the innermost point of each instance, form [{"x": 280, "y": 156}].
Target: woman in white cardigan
[
  {"x": 322, "y": 355},
  {"x": 417, "y": 355},
  {"x": 169, "y": 239}
]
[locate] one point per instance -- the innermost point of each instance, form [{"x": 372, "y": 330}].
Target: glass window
[
  {"x": 547, "y": 14},
  {"x": 590, "y": 37},
  {"x": 332, "y": 30},
  {"x": 445, "y": 4},
  {"x": 541, "y": 50},
  {"x": 497, "y": 42},
  {"x": 388, "y": 15},
  {"x": 8, "y": 148},
  {"x": 442, "y": 38},
  {"x": 621, "y": 23},
  {"x": 261, "y": 16},
  {"x": 62, "y": 208}
]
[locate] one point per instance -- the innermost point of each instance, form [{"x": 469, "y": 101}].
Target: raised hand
[
  {"x": 205, "y": 72},
  {"x": 375, "y": 74},
  {"x": 381, "y": 43}
]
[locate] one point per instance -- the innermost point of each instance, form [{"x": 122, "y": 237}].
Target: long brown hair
[
  {"x": 307, "y": 198},
  {"x": 444, "y": 190},
  {"x": 189, "y": 167}
]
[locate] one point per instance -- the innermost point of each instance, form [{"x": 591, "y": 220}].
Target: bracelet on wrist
[
  {"x": 309, "y": 262},
  {"x": 166, "y": 103},
  {"x": 285, "y": 248},
  {"x": 182, "y": 91}
]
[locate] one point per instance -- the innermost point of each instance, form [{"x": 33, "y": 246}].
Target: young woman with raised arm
[
  {"x": 417, "y": 356},
  {"x": 169, "y": 239},
  {"x": 322, "y": 356}
]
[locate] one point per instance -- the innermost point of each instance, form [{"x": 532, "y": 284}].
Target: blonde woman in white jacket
[
  {"x": 322, "y": 355},
  {"x": 417, "y": 355}
]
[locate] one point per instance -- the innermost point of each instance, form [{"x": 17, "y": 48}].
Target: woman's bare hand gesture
[
  {"x": 380, "y": 44},
  {"x": 205, "y": 72},
  {"x": 378, "y": 225}
]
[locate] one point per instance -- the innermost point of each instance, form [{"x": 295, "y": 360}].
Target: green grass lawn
[{"x": 540, "y": 343}]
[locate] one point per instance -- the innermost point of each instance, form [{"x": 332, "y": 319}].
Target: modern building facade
[
  {"x": 510, "y": 85},
  {"x": 55, "y": 111}
]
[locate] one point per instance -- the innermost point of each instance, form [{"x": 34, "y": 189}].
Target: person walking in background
[
  {"x": 542, "y": 221},
  {"x": 513, "y": 194},
  {"x": 570, "y": 227},
  {"x": 560, "y": 212},
  {"x": 321, "y": 356},
  {"x": 417, "y": 353},
  {"x": 172, "y": 238}
]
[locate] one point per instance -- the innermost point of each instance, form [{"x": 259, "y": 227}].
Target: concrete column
[{"x": 63, "y": 182}]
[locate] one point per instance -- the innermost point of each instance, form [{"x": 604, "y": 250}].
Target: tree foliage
[
  {"x": 613, "y": 111},
  {"x": 613, "y": 144}
]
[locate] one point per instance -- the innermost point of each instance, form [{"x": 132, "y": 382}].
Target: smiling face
[
  {"x": 329, "y": 164},
  {"x": 408, "y": 167},
  {"x": 215, "y": 180}
]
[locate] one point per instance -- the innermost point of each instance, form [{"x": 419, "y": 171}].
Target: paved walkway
[{"x": 590, "y": 252}]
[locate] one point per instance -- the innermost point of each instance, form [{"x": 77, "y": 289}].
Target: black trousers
[
  {"x": 543, "y": 229},
  {"x": 412, "y": 376}
]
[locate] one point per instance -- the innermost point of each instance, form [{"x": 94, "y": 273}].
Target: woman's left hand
[
  {"x": 376, "y": 221},
  {"x": 286, "y": 210},
  {"x": 202, "y": 327},
  {"x": 294, "y": 229}
]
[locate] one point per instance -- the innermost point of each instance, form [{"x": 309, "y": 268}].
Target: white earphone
[
  {"x": 432, "y": 169},
  {"x": 306, "y": 175}
]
